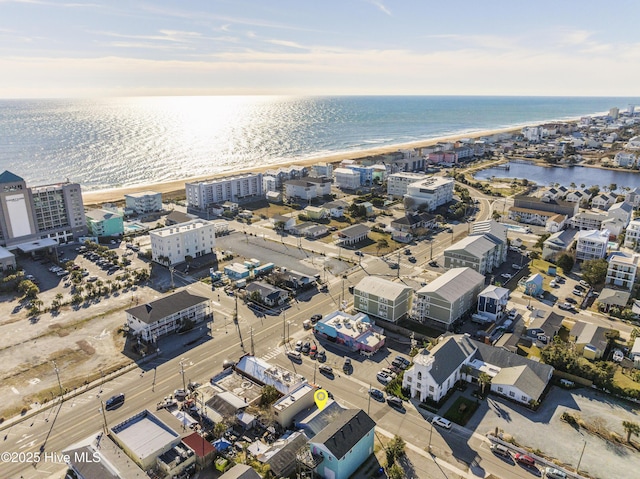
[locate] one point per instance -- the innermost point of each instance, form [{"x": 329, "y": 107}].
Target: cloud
[
  {"x": 286, "y": 43},
  {"x": 380, "y": 6}
]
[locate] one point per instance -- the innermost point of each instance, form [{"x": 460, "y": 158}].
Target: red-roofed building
[{"x": 202, "y": 448}]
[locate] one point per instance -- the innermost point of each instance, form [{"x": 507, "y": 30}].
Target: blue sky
[{"x": 51, "y": 48}]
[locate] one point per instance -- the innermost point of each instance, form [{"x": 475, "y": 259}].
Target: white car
[
  {"x": 584, "y": 283},
  {"x": 506, "y": 275},
  {"x": 553, "y": 284},
  {"x": 383, "y": 377},
  {"x": 442, "y": 422},
  {"x": 388, "y": 372}
]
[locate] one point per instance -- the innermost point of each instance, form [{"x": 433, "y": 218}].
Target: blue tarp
[{"x": 221, "y": 444}]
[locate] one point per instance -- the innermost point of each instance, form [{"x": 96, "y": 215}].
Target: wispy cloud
[
  {"x": 54, "y": 4},
  {"x": 380, "y": 6}
]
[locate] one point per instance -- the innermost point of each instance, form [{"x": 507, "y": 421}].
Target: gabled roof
[
  {"x": 587, "y": 333},
  {"x": 8, "y": 177},
  {"x": 381, "y": 287},
  {"x": 476, "y": 246},
  {"x": 626, "y": 207},
  {"x": 523, "y": 378},
  {"x": 614, "y": 297},
  {"x": 346, "y": 430},
  {"x": 156, "y": 310},
  {"x": 198, "y": 444},
  {"x": 241, "y": 471},
  {"x": 493, "y": 291},
  {"x": 453, "y": 284},
  {"x": 447, "y": 356}
]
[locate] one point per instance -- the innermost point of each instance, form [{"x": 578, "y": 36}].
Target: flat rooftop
[
  {"x": 144, "y": 434},
  {"x": 296, "y": 395}
]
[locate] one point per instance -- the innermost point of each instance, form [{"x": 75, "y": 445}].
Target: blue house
[
  {"x": 344, "y": 444},
  {"x": 533, "y": 285}
]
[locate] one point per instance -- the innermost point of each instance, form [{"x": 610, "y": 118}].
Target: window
[
  {"x": 419, "y": 386},
  {"x": 499, "y": 389},
  {"x": 512, "y": 394},
  {"x": 408, "y": 379},
  {"x": 430, "y": 388},
  {"x": 524, "y": 398},
  {"x": 419, "y": 375}
]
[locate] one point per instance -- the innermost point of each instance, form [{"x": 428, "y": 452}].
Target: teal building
[{"x": 104, "y": 223}]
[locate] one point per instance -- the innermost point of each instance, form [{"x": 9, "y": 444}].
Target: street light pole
[
  {"x": 430, "y": 434},
  {"x": 55, "y": 368},
  {"x": 580, "y": 460},
  {"x": 184, "y": 384}
]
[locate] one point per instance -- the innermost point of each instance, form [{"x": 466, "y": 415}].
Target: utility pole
[
  {"x": 184, "y": 384},
  {"x": 580, "y": 460},
  {"x": 430, "y": 434},
  {"x": 369, "y": 400},
  {"x": 431, "y": 252},
  {"x": 104, "y": 417},
  {"x": 398, "y": 270},
  {"x": 284, "y": 328},
  {"x": 251, "y": 333},
  {"x": 55, "y": 368}
]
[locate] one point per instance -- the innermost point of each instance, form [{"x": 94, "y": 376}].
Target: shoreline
[{"x": 110, "y": 195}]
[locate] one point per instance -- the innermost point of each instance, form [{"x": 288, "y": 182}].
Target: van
[
  {"x": 294, "y": 355},
  {"x": 500, "y": 450},
  {"x": 553, "y": 473}
]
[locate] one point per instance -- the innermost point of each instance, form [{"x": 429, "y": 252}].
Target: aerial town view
[{"x": 279, "y": 240}]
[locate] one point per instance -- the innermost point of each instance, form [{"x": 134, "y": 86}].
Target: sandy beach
[{"x": 177, "y": 186}]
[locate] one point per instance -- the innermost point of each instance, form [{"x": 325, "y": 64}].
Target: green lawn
[
  {"x": 623, "y": 381},
  {"x": 461, "y": 410}
]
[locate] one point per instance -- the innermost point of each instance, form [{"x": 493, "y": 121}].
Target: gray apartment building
[
  {"x": 382, "y": 298},
  {"x": 448, "y": 298}
]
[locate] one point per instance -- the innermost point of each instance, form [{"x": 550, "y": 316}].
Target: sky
[{"x": 95, "y": 48}]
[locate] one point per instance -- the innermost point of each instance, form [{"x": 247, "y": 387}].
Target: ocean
[{"x": 115, "y": 142}]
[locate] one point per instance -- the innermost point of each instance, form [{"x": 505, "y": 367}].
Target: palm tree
[
  {"x": 630, "y": 428},
  {"x": 466, "y": 370},
  {"x": 484, "y": 379}
]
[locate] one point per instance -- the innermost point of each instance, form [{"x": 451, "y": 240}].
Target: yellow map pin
[{"x": 321, "y": 397}]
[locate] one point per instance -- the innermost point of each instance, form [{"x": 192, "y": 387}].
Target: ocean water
[{"x": 114, "y": 142}]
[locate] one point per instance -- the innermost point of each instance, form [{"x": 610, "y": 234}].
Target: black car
[
  {"x": 347, "y": 364},
  {"x": 376, "y": 394},
  {"x": 326, "y": 370},
  {"x": 395, "y": 401},
  {"x": 315, "y": 318},
  {"x": 570, "y": 300},
  {"x": 114, "y": 402},
  {"x": 433, "y": 263},
  {"x": 306, "y": 347},
  {"x": 412, "y": 259},
  {"x": 321, "y": 356}
]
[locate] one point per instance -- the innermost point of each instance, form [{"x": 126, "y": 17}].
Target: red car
[
  {"x": 525, "y": 460},
  {"x": 313, "y": 351}
]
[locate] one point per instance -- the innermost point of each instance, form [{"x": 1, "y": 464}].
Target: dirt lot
[{"x": 84, "y": 341}]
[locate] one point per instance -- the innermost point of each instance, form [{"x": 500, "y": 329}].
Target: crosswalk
[{"x": 273, "y": 353}]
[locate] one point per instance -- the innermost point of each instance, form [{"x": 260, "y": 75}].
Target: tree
[
  {"x": 382, "y": 244},
  {"x": 630, "y": 428},
  {"x": 496, "y": 215},
  {"x": 28, "y": 289},
  {"x": 613, "y": 187},
  {"x": 595, "y": 271},
  {"x": 484, "y": 379},
  {"x": 394, "y": 471},
  {"x": 566, "y": 262},
  {"x": 269, "y": 395}
]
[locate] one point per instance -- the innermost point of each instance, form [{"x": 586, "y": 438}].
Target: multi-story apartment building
[
  {"x": 592, "y": 244},
  {"x": 172, "y": 244},
  {"x": 432, "y": 192},
  {"x": 143, "y": 202},
  {"x": 269, "y": 183},
  {"x": 347, "y": 178},
  {"x": 632, "y": 236},
  {"x": 448, "y": 298},
  {"x": 478, "y": 252},
  {"x": 633, "y": 197},
  {"x": 622, "y": 270},
  {"x": 397, "y": 183},
  {"x": 104, "y": 223},
  {"x": 546, "y": 204},
  {"x": 382, "y": 298},
  {"x": 622, "y": 211},
  {"x": 588, "y": 220},
  {"x": 237, "y": 189},
  {"x": 29, "y": 214}
]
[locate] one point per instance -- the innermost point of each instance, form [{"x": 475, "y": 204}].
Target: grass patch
[
  {"x": 461, "y": 410},
  {"x": 623, "y": 381},
  {"x": 531, "y": 352}
]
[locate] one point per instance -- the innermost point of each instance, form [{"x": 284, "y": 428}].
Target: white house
[
  {"x": 336, "y": 208},
  {"x": 172, "y": 244},
  {"x": 622, "y": 270},
  {"x": 633, "y": 197},
  {"x": 592, "y": 244},
  {"x": 435, "y": 372},
  {"x": 625, "y": 159},
  {"x": 603, "y": 201},
  {"x": 492, "y": 302},
  {"x": 588, "y": 220},
  {"x": 166, "y": 315},
  {"x": 432, "y": 192},
  {"x": 622, "y": 211},
  {"x": 346, "y": 178},
  {"x": 556, "y": 223},
  {"x": 632, "y": 235}
]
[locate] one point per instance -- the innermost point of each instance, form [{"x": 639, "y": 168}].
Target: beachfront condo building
[
  {"x": 173, "y": 244},
  {"x": 237, "y": 189},
  {"x": 143, "y": 202},
  {"x": 622, "y": 270},
  {"x": 104, "y": 223},
  {"x": 28, "y": 215},
  {"x": 432, "y": 192},
  {"x": 397, "y": 183},
  {"x": 632, "y": 235}
]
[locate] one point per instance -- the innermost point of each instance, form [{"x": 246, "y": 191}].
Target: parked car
[
  {"x": 442, "y": 422},
  {"x": 327, "y": 370},
  {"x": 388, "y": 372},
  {"x": 577, "y": 293},
  {"x": 525, "y": 460},
  {"x": 395, "y": 401},
  {"x": 433, "y": 263},
  {"x": 506, "y": 275},
  {"x": 400, "y": 362},
  {"x": 569, "y": 299},
  {"x": 180, "y": 394},
  {"x": 407, "y": 252},
  {"x": 384, "y": 378},
  {"x": 553, "y": 473},
  {"x": 516, "y": 266},
  {"x": 315, "y": 318},
  {"x": 322, "y": 356},
  {"x": 500, "y": 450},
  {"x": 313, "y": 351},
  {"x": 359, "y": 253},
  {"x": 412, "y": 259},
  {"x": 306, "y": 347},
  {"x": 553, "y": 284},
  {"x": 584, "y": 283},
  {"x": 376, "y": 394},
  {"x": 565, "y": 306},
  {"x": 294, "y": 355},
  {"x": 114, "y": 402}
]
